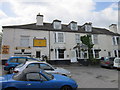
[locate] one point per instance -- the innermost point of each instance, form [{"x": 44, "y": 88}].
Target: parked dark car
[
  {"x": 107, "y": 62},
  {"x": 13, "y": 61}
]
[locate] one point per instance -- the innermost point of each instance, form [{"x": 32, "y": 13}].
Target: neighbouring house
[{"x": 58, "y": 42}]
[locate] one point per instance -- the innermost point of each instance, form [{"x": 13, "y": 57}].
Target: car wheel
[
  {"x": 102, "y": 66},
  {"x": 118, "y": 69},
  {"x": 11, "y": 70},
  {"x": 66, "y": 88},
  {"x": 111, "y": 66}
]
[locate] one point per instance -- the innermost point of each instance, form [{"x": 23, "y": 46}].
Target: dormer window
[
  {"x": 57, "y": 24},
  {"x": 88, "y": 27},
  {"x": 73, "y": 25}
]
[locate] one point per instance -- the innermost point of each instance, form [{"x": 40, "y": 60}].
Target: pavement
[{"x": 89, "y": 76}]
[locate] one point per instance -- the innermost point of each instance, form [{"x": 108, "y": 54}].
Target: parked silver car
[{"x": 42, "y": 65}]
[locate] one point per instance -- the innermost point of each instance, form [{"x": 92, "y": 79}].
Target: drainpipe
[{"x": 49, "y": 46}]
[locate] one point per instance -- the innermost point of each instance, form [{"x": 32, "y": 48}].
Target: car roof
[
  {"x": 22, "y": 76},
  {"x": 20, "y": 56},
  {"x": 28, "y": 62},
  {"x": 117, "y": 58}
]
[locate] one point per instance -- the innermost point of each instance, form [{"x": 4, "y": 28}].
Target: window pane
[
  {"x": 77, "y": 37},
  {"x": 95, "y": 37},
  {"x": 24, "y": 41},
  {"x": 60, "y": 37},
  {"x": 21, "y": 60},
  {"x": 45, "y": 67},
  {"x": 61, "y": 53},
  {"x": 35, "y": 65},
  {"x": 14, "y": 60},
  {"x": 38, "y": 55},
  {"x": 33, "y": 77}
]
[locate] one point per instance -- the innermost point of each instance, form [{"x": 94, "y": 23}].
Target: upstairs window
[
  {"x": 59, "y": 37},
  {"x": 95, "y": 39},
  {"x": 74, "y": 26},
  {"x": 88, "y": 28},
  {"x": 24, "y": 41},
  {"x": 77, "y": 38},
  {"x": 116, "y": 40},
  {"x": 57, "y": 25}
]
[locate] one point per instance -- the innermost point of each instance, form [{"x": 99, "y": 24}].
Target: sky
[{"x": 100, "y": 13}]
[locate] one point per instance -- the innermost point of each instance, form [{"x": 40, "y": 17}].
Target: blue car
[
  {"x": 13, "y": 61},
  {"x": 37, "y": 79}
]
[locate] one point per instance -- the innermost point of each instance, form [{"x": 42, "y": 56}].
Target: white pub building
[{"x": 58, "y": 42}]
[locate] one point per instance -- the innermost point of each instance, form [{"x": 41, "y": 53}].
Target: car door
[{"x": 36, "y": 81}]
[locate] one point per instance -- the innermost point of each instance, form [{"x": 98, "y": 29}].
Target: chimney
[
  {"x": 113, "y": 28},
  {"x": 39, "y": 20}
]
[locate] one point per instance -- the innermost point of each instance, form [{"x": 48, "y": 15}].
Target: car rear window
[
  {"x": 117, "y": 60},
  {"x": 13, "y": 60},
  {"x": 21, "y": 60}
]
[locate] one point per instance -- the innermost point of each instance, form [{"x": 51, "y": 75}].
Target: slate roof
[{"x": 65, "y": 28}]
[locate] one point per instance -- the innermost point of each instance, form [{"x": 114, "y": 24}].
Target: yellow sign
[
  {"x": 39, "y": 42},
  {"x": 5, "y": 49}
]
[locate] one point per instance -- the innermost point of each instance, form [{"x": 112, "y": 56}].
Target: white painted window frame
[{"x": 56, "y": 36}]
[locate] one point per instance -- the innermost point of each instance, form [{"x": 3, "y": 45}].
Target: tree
[{"x": 86, "y": 39}]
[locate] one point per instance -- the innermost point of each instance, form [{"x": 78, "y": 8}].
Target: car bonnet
[{"x": 61, "y": 70}]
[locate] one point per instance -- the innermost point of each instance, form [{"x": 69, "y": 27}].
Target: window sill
[{"x": 59, "y": 43}]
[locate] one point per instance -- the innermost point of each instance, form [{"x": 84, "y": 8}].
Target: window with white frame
[
  {"x": 59, "y": 53},
  {"x": 77, "y": 38},
  {"x": 96, "y": 54},
  {"x": 59, "y": 37},
  {"x": 88, "y": 28},
  {"x": 95, "y": 39},
  {"x": 115, "y": 53},
  {"x": 24, "y": 41},
  {"x": 74, "y": 26},
  {"x": 116, "y": 40},
  {"x": 78, "y": 53},
  {"x": 57, "y": 25}
]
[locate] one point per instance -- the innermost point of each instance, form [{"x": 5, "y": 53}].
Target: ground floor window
[
  {"x": 115, "y": 53},
  {"x": 38, "y": 54},
  {"x": 59, "y": 53},
  {"x": 118, "y": 53},
  {"x": 109, "y": 54},
  {"x": 22, "y": 54},
  {"x": 96, "y": 54},
  {"x": 78, "y": 53}
]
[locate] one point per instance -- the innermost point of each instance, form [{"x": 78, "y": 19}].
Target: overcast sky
[{"x": 101, "y": 14}]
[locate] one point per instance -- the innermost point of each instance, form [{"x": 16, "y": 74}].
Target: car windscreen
[
  {"x": 117, "y": 60},
  {"x": 50, "y": 76},
  {"x": 20, "y": 65}
]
